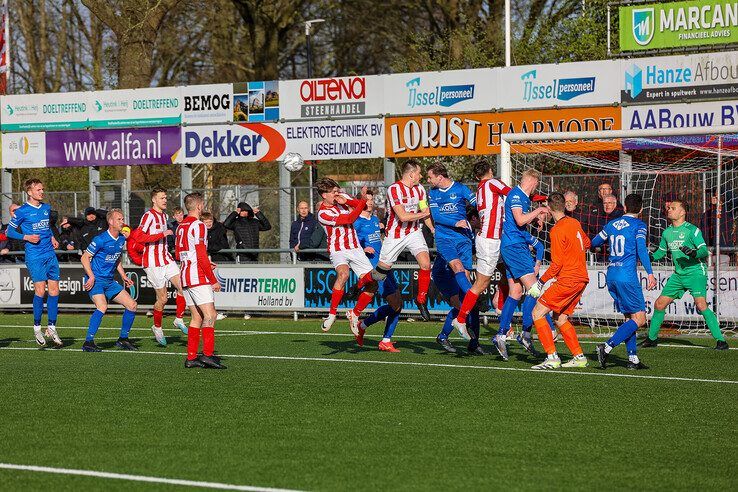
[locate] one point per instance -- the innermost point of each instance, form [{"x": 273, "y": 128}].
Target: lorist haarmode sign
[{"x": 678, "y": 24}]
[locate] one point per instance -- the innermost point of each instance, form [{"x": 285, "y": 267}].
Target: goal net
[{"x": 597, "y": 171}]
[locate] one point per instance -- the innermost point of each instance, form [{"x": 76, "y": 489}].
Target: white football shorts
[
  {"x": 355, "y": 258},
  {"x": 392, "y": 248},
  {"x": 158, "y": 276},
  {"x": 199, "y": 295},
  {"x": 488, "y": 253}
]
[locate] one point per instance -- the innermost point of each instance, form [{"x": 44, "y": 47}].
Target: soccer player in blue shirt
[
  {"x": 100, "y": 261},
  {"x": 448, "y": 201},
  {"x": 627, "y": 245},
  {"x": 31, "y": 224},
  {"x": 370, "y": 237},
  {"x": 522, "y": 271}
]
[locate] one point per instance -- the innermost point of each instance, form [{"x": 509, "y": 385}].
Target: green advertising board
[{"x": 678, "y": 24}]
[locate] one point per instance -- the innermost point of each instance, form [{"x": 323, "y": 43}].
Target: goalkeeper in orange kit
[{"x": 568, "y": 266}]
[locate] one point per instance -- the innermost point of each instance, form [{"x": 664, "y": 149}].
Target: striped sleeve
[
  {"x": 146, "y": 222},
  {"x": 328, "y": 217},
  {"x": 393, "y": 197}
]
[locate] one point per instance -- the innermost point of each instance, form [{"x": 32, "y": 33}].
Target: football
[{"x": 293, "y": 162}]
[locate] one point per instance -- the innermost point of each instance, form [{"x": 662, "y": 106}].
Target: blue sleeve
[
  {"x": 514, "y": 199},
  {"x": 359, "y": 227},
  {"x": 600, "y": 238},
  {"x": 642, "y": 249},
  {"x": 540, "y": 249},
  {"x": 470, "y": 196},
  {"x": 14, "y": 224},
  {"x": 94, "y": 246}
]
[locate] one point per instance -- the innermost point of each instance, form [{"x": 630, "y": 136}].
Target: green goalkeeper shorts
[{"x": 678, "y": 284}]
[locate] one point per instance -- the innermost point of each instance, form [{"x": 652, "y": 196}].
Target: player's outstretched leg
[
  {"x": 712, "y": 323},
  {"x": 342, "y": 275},
  {"x": 95, "y": 320},
  {"x": 379, "y": 314},
  {"x": 623, "y": 333},
  {"x": 442, "y": 337},
  {"x": 129, "y": 315},
  {"x": 180, "y": 312}
]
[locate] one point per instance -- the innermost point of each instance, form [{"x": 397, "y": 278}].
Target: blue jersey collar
[
  {"x": 448, "y": 188},
  {"x": 34, "y": 206}
]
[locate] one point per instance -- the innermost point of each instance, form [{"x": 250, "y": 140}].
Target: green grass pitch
[{"x": 298, "y": 409}]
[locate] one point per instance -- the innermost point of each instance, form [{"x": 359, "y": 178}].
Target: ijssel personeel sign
[{"x": 678, "y": 24}]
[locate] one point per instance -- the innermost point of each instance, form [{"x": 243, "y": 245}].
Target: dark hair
[
  {"x": 556, "y": 201},
  {"x": 369, "y": 191},
  {"x": 633, "y": 203},
  {"x": 157, "y": 189},
  {"x": 176, "y": 210},
  {"x": 192, "y": 199},
  {"x": 438, "y": 168},
  {"x": 31, "y": 183},
  {"x": 409, "y": 165},
  {"x": 683, "y": 203},
  {"x": 325, "y": 185},
  {"x": 206, "y": 216},
  {"x": 481, "y": 168}
]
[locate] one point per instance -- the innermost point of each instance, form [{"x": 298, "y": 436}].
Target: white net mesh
[{"x": 660, "y": 170}]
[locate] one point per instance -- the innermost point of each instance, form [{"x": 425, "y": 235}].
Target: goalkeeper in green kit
[{"x": 689, "y": 253}]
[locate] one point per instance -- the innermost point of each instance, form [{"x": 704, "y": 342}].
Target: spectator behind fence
[
  {"x": 573, "y": 210},
  {"x": 172, "y": 224},
  {"x": 609, "y": 212},
  {"x": 708, "y": 224},
  {"x": 93, "y": 223},
  {"x": 246, "y": 223},
  {"x": 603, "y": 190},
  {"x": 8, "y": 244},
  {"x": 69, "y": 240},
  {"x": 217, "y": 239},
  {"x": 302, "y": 231}
]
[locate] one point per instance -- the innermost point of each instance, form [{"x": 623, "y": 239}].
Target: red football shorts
[{"x": 562, "y": 297}]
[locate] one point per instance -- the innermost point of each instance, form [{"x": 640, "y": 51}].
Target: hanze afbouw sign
[
  {"x": 678, "y": 24},
  {"x": 479, "y": 133}
]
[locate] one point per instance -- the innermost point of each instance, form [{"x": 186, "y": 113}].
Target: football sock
[
  {"x": 364, "y": 299},
  {"x": 128, "y": 317},
  {"x": 634, "y": 359},
  {"x": 545, "y": 336},
  {"x": 158, "y": 315},
  {"x": 424, "y": 278},
  {"x": 713, "y": 324},
  {"x": 379, "y": 314},
  {"x": 474, "y": 324},
  {"x": 365, "y": 279},
  {"x": 95, "y": 321},
  {"x": 447, "y": 326},
  {"x": 570, "y": 338},
  {"x": 336, "y": 297},
  {"x": 631, "y": 344},
  {"x": 38, "y": 309},
  {"x": 52, "y": 308},
  {"x": 656, "y": 320},
  {"x": 508, "y": 309},
  {"x": 389, "y": 327},
  {"x": 181, "y": 306},
  {"x": 528, "y": 305},
  {"x": 193, "y": 342},
  {"x": 623, "y": 333},
  {"x": 462, "y": 282},
  {"x": 208, "y": 340},
  {"x": 470, "y": 300}
]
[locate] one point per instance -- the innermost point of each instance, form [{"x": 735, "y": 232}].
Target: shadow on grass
[{"x": 5, "y": 342}]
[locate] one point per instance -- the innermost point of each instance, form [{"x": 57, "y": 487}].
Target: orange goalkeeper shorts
[{"x": 562, "y": 297}]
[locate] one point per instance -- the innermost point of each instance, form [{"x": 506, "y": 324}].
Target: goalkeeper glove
[
  {"x": 691, "y": 252},
  {"x": 536, "y": 289}
]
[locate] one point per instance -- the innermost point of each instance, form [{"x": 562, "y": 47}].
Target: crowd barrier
[{"x": 306, "y": 288}]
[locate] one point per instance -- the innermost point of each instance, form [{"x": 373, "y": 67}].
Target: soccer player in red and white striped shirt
[
  {"x": 158, "y": 263},
  {"x": 407, "y": 206},
  {"x": 337, "y": 214},
  {"x": 198, "y": 284},
  {"x": 491, "y": 194}
]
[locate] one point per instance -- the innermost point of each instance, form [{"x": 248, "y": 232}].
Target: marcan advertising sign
[
  {"x": 244, "y": 142},
  {"x": 678, "y": 24},
  {"x": 337, "y": 97},
  {"x": 479, "y": 134},
  {"x": 159, "y": 106},
  {"x": 340, "y": 139},
  {"x": 566, "y": 84},
  {"x": 113, "y": 147},
  {"x": 452, "y": 91},
  {"x": 24, "y": 150},
  {"x": 33, "y": 112},
  {"x": 680, "y": 78}
]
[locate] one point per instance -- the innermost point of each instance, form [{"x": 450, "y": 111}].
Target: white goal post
[{"x": 681, "y": 162}]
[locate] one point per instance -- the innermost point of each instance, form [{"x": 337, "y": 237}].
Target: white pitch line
[
  {"x": 138, "y": 478},
  {"x": 403, "y": 363}
]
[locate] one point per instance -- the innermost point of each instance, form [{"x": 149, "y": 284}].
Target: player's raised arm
[
  {"x": 600, "y": 238},
  {"x": 699, "y": 250}
]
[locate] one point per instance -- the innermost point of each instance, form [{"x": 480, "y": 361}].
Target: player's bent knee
[{"x": 132, "y": 306}]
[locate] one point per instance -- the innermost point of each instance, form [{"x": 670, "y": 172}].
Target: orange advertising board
[{"x": 479, "y": 133}]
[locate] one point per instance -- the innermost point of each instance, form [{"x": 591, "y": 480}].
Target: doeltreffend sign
[{"x": 678, "y": 24}]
